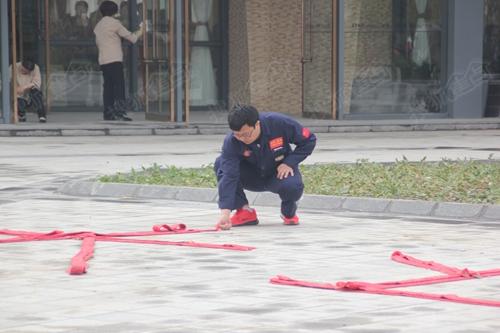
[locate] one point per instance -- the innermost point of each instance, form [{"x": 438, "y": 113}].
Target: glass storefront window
[
  {"x": 74, "y": 75},
  {"x": 491, "y": 49},
  {"x": 317, "y": 58},
  {"x": 59, "y": 36},
  {"x": 491, "y": 57},
  {"x": 392, "y": 56},
  {"x": 153, "y": 78},
  {"x": 206, "y": 53},
  {"x": 2, "y": 83}
]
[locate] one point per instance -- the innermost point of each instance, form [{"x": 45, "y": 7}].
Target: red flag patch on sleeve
[
  {"x": 306, "y": 132},
  {"x": 276, "y": 143}
]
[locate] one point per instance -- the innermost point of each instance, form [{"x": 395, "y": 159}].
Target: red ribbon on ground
[
  {"x": 79, "y": 263},
  {"x": 384, "y": 288}
]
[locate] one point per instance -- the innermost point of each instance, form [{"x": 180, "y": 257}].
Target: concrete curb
[
  {"x": 141, "y": 128},
  {"x": 481, "y": 212}
]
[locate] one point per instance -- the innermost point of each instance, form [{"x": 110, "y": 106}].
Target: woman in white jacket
[{"x": 109, "y": 33}]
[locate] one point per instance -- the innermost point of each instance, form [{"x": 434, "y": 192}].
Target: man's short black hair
[
  {"x": 241, "y": 115},
  {"x": 108, "y": 8},
  {"x": 28, "y": 64}
]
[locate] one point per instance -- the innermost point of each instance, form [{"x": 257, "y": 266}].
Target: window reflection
[
  {"x": 203, "y": 83},
  {"x": 1, "y": 85},
  {"x": 317, "y": 50},
  {"x": 95, "y": 14},
  {"x": 491, "y": 37},
  {"x": 75, "y": 78},
  {"x": 392, "y": 56},
  {"x": 79, "y": 24},
  {"x": 154, "y": 56}
]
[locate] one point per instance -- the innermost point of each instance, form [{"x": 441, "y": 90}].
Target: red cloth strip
[
  {"x": 79, "y": 261},
  {"x": 285, "y": 280},
  {"x": 26, "y": 236},
  {"x": 384, "y": 288},
  {"x": 181, "y": 243},
  {"x": 164, "y": 229},
  {"x": 374, "y": 289},
  {"x": 114, "y": 237},
  {"x": 437, "y": 279},
  {"x": 371, "y": 288},
  {"x": 408, "y": 260},
  {"x": 159, "y": 230}
]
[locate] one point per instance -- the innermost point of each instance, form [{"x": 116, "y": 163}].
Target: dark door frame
[{"x": 5, "y": 113}]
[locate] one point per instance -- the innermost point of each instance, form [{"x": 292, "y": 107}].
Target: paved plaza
[{"x": 152, "y": 288}]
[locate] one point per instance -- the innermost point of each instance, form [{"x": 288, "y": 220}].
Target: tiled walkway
[{"x": 149, "y": 288}]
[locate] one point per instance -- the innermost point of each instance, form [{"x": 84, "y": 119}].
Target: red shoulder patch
[
  {"x": 276, "y": 143},
  {"x": 306, "y": 132}
]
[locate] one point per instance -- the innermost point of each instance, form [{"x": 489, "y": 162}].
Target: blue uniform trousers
[{"x": 289, "y": 189}]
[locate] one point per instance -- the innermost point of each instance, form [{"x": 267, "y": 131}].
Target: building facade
[{"x": 326, "y": 59}]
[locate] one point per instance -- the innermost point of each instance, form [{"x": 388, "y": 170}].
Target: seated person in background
[{"x": 28, "y": 89}]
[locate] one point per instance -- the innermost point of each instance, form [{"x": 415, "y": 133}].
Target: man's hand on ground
[
  {"x": 284, "y": 171},
  {"x": 224, "y": 220}
]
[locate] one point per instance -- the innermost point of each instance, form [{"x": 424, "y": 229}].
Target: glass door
[
  {"x": 157, "y": 59},
  {"x": 58, "y": 35},
  {"x": 74, "y": 78},
  {"x": 491, "y": 48},
  {"x": 24, "y": 40},
  {"x": 393, "y": 58},
  {"x": 491, "y": 57},
  {"x": 318, "y": 58}
]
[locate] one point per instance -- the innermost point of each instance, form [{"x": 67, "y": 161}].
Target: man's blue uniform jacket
[{"x": 265, "y": 154}]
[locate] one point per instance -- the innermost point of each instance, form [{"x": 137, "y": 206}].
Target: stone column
[{"x": 264, "y": 54}]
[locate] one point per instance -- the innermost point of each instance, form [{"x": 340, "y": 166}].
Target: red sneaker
[
  {"x": 244, "y": 217},
  {"x": 290, "y": 220}
]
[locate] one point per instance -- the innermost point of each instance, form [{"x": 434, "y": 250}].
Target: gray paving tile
[{"x": 129, "y": 286}]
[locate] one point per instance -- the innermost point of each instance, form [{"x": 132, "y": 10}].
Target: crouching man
[{"x": 257, "y": 156}]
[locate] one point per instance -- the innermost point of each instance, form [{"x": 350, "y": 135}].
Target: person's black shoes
[
  {"x": 23, "y": 118},
  {"x": 122, "y": 117},
  {"x": 121, "y": 114},
  {"x": 109, "y": 117},
  {"x": 116, "y": 113}
]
